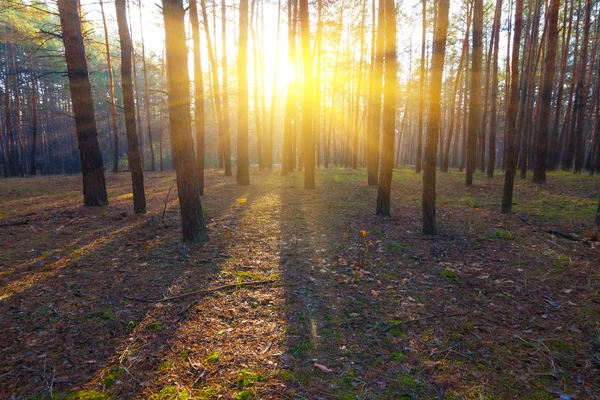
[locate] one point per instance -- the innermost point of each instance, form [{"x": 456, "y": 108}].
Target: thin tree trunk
[
  {"x": 92, "y": 166},
  {"x": 243, "y": 177},
  {"x": 511, "y": 156},
  {"x": 215, "y": 86},
  {"x": 475, "y": 96},
  {"x": 226, "y": 137},
  {"x": 446, "y": 154},
  {"x": 541, "y": 139},
  {"x": 192, "y": 220},
  {"x": 422, "y": 89},
  {"x": 146, "y": 95},
  {"x": 308, "y": 140},
  {"x": 274, "y": 93},
  {"x": 111, "y": 93},
  {"x": 373, "y": 153},
  {"x": 34, "y": 120},
  {"x": 389, "y": 111},
  {"x": 134, "y": 156},
  {"x": 582, "y": 92},
  {"x": 198, "y": 97},
  {"x": 435, "y": 118},
  {"x": 494, "y": 93}
]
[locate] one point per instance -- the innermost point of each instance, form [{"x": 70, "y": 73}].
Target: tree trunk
[
  {"x": 226, "y": 137},
  {"x": 422, "y": 89},
  {"x": 582, "y": 91},
  {"x": 198, "y": 97},
  {"x": 287, "y": 164},
  {"x": 256, "y": 88},
  {"x": 34, "y": 120},
  {"x": 92, "y": 166},
  {"x": 494, "y": 93},
  {"x": 140, "y": 128},
  {"x": 435, "y": 117},
  {"x": 274, "y": 94},
  {"x": 373, "y": 154},
  {"x": 215, "y": 86},
  {"x": 308, "y": 141},
  {"x": 389, "y": 111},
  {"x": 111, "y": 92},
  {"x": 243, "y": 177},
  {"x": 20, "y": 155},
  {"x": 146, "y": 95},
  {"x": 446, "y": 154},
  {"x": 192, "y": 220},
  {"x": 511, "y": 154},
  {"x": 134, "y": 156},
  {"x": 475, "y": 95},
  {"x": 549, "y": 70},
  {"x": 554, "y": 153}
]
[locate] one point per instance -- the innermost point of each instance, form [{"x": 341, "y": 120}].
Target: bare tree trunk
[
  {"x": 554, "y": 153},
  {"x": 182, "y": 144},
  {"x": 435, "y": 117},
  {"x": 308, "y": 140},
  {"x": 34, "y": 119},
  {"x": 140, "y": 128},
  {"x": 475, "y": 96},
  {"x": 243, "y": 178},
  {"x": 461, "y": 63},
  {"x": 421, "y": 89},
  {"x": 274, "y": 93},
  {"x": 215, "y": 85},
  {"x": 373, "y": 154},
  {"x": 287, "y": 154},
  {"x": 134, "y": 156},
  {"x": 92, "y": 166},
  {"x": 111, "y": 93},
  {"x": 20, "y": 156},
  {"x": 582, "y": 91},
  {"x": 389, "y": 111},
  {"x": 494, "y": 93},
  {"x": 226, "y": 137},
  {"x": 198, "y": 97},
  {"x": 256, "y": 103},
  {"x": 146, "y": 95},
  {"x": 511, "y": 154},
  {"x": 541, "y": 138}
]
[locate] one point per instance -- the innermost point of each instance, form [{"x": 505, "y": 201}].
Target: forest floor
[{"x": 357, "y": 307}]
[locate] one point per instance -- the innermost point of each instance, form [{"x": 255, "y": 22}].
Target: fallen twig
[
  {"x": 15, "y": 223},
  {"x": 569, "y": 236},
  {"x": 203, "y": 291},
  {"x": 166, "y": 201},
  {"x": 421, "y": 319}
]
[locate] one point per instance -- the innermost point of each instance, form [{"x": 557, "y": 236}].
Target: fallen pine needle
[{"x": 203, "y": 291}]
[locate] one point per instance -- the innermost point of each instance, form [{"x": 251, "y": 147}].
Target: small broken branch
[
  {"x": 15, "y": 223},
  {"x": 564, "y": 235},
  {"x": 421, "y": 319},
  {"x": 166, "y": 201},
  {"x": 203, "y": 291}
]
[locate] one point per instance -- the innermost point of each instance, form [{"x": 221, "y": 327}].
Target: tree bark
[
  {"x": 178, "y": 81},
  {"x": 511, "y": 154},
  {"x": 435, "y": 117},
  {"x": 422, "y": 89},
  {"x": 226, "y": 137},
  {"x": 146, "y": 95},
  {"x": 243, "y": 177},
  {"x": 494, "y": 93},
  {"x": 475, "y": 95},
  {"x": 308, "y": 141},
  {"x": 92, "y": 166},
  {"x": 389, "y": 111},
  {"x": 541, "y": 139},
  {"x": 582, "y": 91},
  {"x": 111, "y": 93},
  {"x": 134, "y": 156},
  {"x": 198, "y": 96}
]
